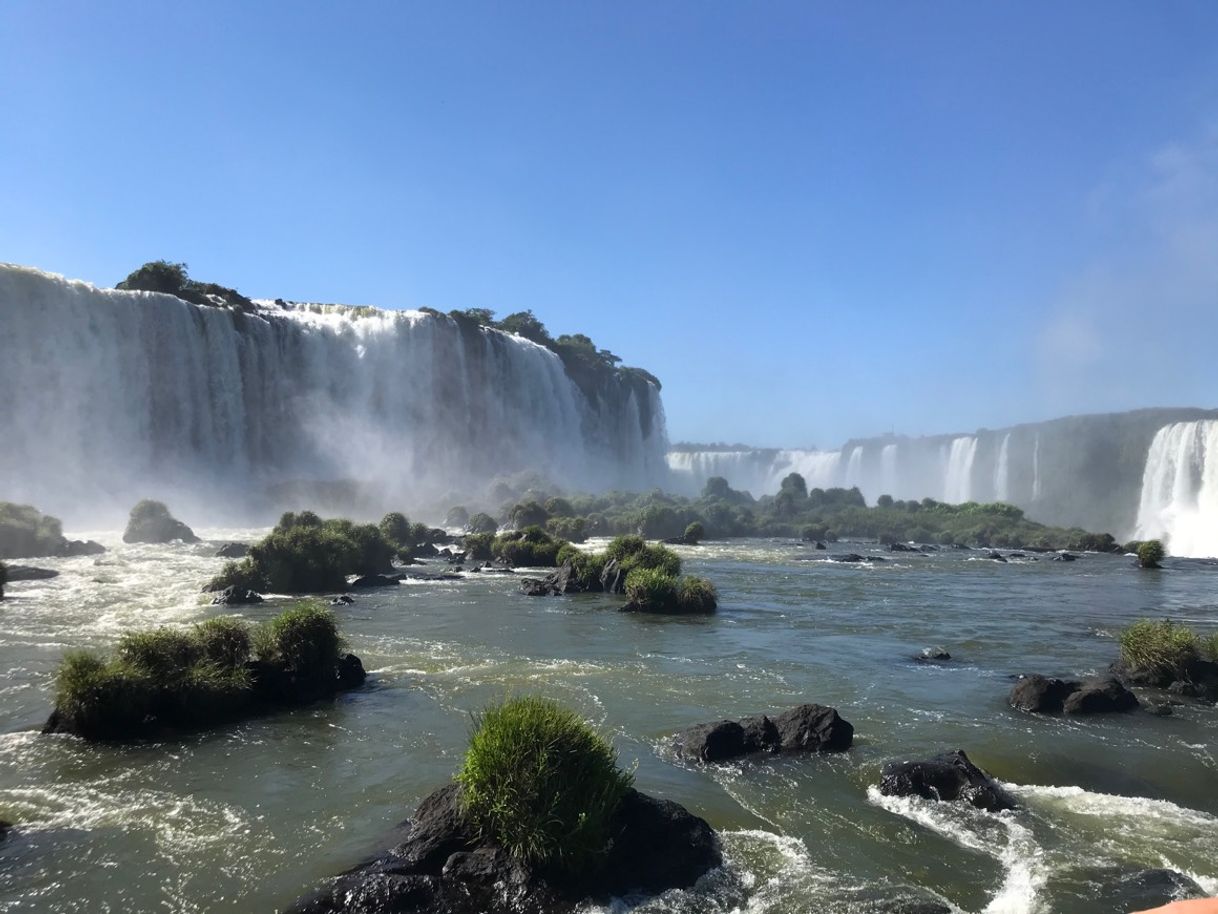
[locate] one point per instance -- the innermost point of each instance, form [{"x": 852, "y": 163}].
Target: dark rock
[
  {"x": 441, "y": 867},
  {"x": 236, "y": 596},
  {"x": 233, "y": 551},
  {"x": 1040, "y": 694},
  {"x": 933, "y": 655},
  {"x": 342, "y": 599},
  {"x": 613, "y": 578},
  {"x": 151, "y": 522},
  {"x": 365, "y": 581},
  {"x": 1161, "y": 710},
  {"x": 807, "y": 728},
  {"x": 821, "y": 546},
  {"x": 5, "y": 828},
  {"x": 949, "y": 776},
  {"x": 1016, "y": 555},
  {"x": 1139, "y": 890},
  {"x": 1064, "y": 557},
  {"x": 996, "y": 556},
  {"x": 555, "y": 584},
  {"x": 73, "y": 548},
  {"x": 351, "y": 673},
  {"x": 1101, "y": 695},
  {"x": 30, "y": 573},
  {"x": 901, "y": 547},
  {"x": 847, "y": 557}
]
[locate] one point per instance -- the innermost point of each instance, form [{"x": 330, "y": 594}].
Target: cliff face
[
  {"x": 1087, "y": 471},
  {"x": 114, "y": 395}
]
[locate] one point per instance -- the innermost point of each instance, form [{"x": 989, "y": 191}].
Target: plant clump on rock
[
  {"x": 1167, "y": 655},
  {"x": 1150, "y": 554},
  {"x": 151, "y": 522},
  {"x": 167, "y": 679}
]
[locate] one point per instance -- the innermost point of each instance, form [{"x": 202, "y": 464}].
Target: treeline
[{"x": 796, "y": 512}]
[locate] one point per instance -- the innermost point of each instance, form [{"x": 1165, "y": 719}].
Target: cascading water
[
  {"x": 1036, "y": 470},
  {"x": 958, "y": 479},
  {"x": 1002, "y": 472},
  {"x": 888, "y": 469},
  {"x": 1180, "y": 489},
  {"x": 109, "y": 396},
  {"x": 854, "y": 467}
]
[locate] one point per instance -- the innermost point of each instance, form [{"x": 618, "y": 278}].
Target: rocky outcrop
[
  {"x": 236, "y": 596},
  {"x": 74, "y": 548},
  {"x": 1096, "y": 695},
  {"x": 933, "y": 655},
  {"x": 151, "y": 522},
  {"x": 1197, "y": 678},
  {"x": 365, "y": 581},
  {"x": 30, "y": 573},
  {"x": 554, "y": 584},
  {"x": 441, "y": 866},
  {"x": 1139, "y": 890},
  {"x": 806, "y": 728},
  {"x": 233, "y": 551},
  {"x": 949, "y": 776},
  {"x": 613, "y": 577}
]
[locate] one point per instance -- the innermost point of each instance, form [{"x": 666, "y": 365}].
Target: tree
[
  {"x": 1150, "y": 554},
  {"x": 884, "y": 501},
  {"x": 795, "y": 485},
  {"x": 483, "y": 317},
  {"x": 157, "y": 276},
  {"x": 716, "y": 487},
  {"x": 526, "y": 324}
]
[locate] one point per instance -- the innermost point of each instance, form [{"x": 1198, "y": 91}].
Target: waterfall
[
  {"x": 820, "y": 469},
  {"x": 888, "y": 470},
  {"x": 1036, "y": 470},
  {"x": 1180, "y": 489},
  {"x": 1002, "y": 472},
  {"x": 110, "y": 396},
  {"x": 854, "y": 467},
  {"x": 958, "y": 478}
]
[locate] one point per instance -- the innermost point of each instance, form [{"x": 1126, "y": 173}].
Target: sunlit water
[{"x": 248, "y": 817}]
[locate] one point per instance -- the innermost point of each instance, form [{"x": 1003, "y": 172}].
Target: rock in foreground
[
  {"x": 949, "y": 776},
  {"x": 441, "y": 867},
  {"x": 807, "y": 728}
]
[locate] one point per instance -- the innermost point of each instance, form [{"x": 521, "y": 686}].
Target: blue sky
[{"x": 811, "y": 220}]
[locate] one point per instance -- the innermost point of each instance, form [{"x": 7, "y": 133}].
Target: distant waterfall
[
  {"x": 888, "y": 469},
  {"x": 109, "y": 396},
  {"x": 958, "y": 483},
  {"x": 1036, "y": 470},
  {"x": 1002, "y": 472},
  {"x": 1180, "y": 489},
  {"x": 854, "y": 467}
]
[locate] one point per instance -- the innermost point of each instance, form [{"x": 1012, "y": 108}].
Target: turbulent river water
[{"x": 249, "y": 817}]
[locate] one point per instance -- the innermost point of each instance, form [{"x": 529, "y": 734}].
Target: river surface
[{"x": 249, "y": 817}]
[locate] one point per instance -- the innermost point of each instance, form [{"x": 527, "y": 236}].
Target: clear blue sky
[{"x": 811, "y": 220}]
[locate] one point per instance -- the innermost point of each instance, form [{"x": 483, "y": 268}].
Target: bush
[
  {"x": 395, "y": 528},
  {"x": 572, "y": 529},
  {"x": 527, "y": 514},
  {"x": 652, "y": 590},
  {"x": 1209, "y": 647},
  {"x": 303, "y": 640},
  {"x": 223, "y": 641},
  {"x": 244, "y": 575},
  {"x": 633, "y": 552},
  {"x": 694, "y": 534},
  {"x": 531, "y": 547},
  {"x": 478, "y": 546},
  {"x": 482, "y": 523},
  {"x": 586, "y": 569},
  {"x": 539, "y": 781},
  {"x": 1150, "y": 554},
  {"x": 696, "y": 595},
  {"x": 457, "y": 517},
  {"x": 1159, "y": 648}
]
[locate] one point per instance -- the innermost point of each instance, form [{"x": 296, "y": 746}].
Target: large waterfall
[
  {"x": 109, "y": 396},
  {"x": 1180, "y": 489}
]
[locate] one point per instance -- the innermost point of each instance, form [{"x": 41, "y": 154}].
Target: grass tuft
[
  {"x": 1159, "y": 647},
  {"x": 303, "y": 639}
]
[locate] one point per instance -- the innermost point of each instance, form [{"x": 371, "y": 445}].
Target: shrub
[
  {"x": 457, "y": 517},
  {"x": 1158, "y": 648},
  {"x": 101, "y": 699},
  {"x": 652, "y": 590},
  {"x": 633, "y": 552},
  {"x": 527, "y": 514},
  {"x": 572, "y": 529},
  {"x": 539, "y": 781},
  {"x": 586, "y": 568},
  {"x": 244, "y": 575},
  {"x": 478, "y": 546},
  {"x": 696, "y": 595},
  {"x": 482, "y": 523},
  {"x": 1150, "y": 553},
  {"x": 531, "y": 547},
  {"x": 1209, "y": 647},
  {"x": 694, "y": 534},
  {"x": 162, "y": 653},
  {"x": 304, "y": 640},
  {"x": 223, "y": 641},
  {"x": 395, "y": 528}
]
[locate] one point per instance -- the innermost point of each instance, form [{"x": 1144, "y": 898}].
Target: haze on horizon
[{"x": 811, "y": 223}]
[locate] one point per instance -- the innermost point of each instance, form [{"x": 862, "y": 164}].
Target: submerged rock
[
  {"x": 233, "y": 551},
  {"x": 342, "y": 600},
  {"x": 933, "y": 655},
  {"x": 1045, "y": 695},
  {"x": 365, "y": 581},
  {"x": 851, "y": 557},
  {"x": 949, "y": 776},
  {"x": 73, "y": 548},
  {"x": 151, "y": 522},
  {"x": 1064, "y": 557},
  {"x": 236, "y": 596},
  {"x": 1124, "y": 890},
  {"x": 30, "y": 573},
  {"x": 441, "y": 866},
  {"x": 806, "y": 728},
  {"x": 1040, "y": 694}
]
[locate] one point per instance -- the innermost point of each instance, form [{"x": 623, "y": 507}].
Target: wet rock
[
  {"x": 365, "y": 581},
  {"x": 1017, "y": 555},
  {"x": 852, "y": 557},
  {"x": 236, "y": 596},
  {"x": 151, "y": 522},
  {"x": 1100, "y": 695},
  {"x": 441, "y": 867},
  {"x": 996, "y": 556},
  {"x": 807, "y": 728},
  {"x": 73, "y": 548},
  {"x": 949, "y": 776},
  {"x": 821, "y": 546},
  {"x": 233, "y": 551},
  {"x": 901, "y": 547},
  {"x": 342, "y": 599},
  {"x": 5, "y": 828},
  {"x": 30, "y": 573},
  {"x": 555, "y": 584},
  {"x": 351, "y": 673},
  {"x": 1064, "y": 557},
  {"x": 1118, "y": 889},
  {"x": 933, "y": 655},
  {"x": 1040, "y": 694},
  {"x": 613, "y": 578}
]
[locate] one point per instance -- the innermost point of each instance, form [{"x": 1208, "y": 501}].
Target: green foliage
[
  {"x": 481, "y": 317},
  {"x": 527, "y": 514},
  {"x": 223, "y": 641},
  {"x": 574, "y": 529},
  {"x": 526, "y": 324},
  {"x": 26, "y": 532},
  {"x": 1150, "y": 554},
  {"x": 303, "y": 639},
  {"x": 696, "y": 595},
  {"x": 540, "y": 782},
  {"x": 161, "y": 653},
  {"x": 652, "y": 589},
  {"x": 531, "y": 547},
  {"x": 694, "y": 533},
  {"x": 586, "y": 568},
  {"x": 396, "y": 529},
  {"x": 482, "y": 523},
  {"x": 243, "y": 574},
  {"x": 1209, "y": 647},
  {"x": 173, "y": 279},
  {"x": 1159, "y": 647},
  {"x": 478, "y": 546},
  {"x": 633, "y": 552}
]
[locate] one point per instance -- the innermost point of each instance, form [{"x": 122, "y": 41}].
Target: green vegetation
[
  {"x": 305, "y": 554},
  {"x": 1150, "y": 554},
  {"x": 694, "y": 533},
  {"x": 538, "y": 780},
  {"x": 632, "y": 552},
  {"x": 26, "y": 532},
  {"x": 1164, "y": 650},
  {"x": 187, "y": 679},
  {"x": 531, "y": 547},
  {"x": 172, "y": 279},
  {"x": 151, "y": 522},
  {"x": 655, "y": 591}
]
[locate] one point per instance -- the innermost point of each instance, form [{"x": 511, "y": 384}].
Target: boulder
[
  {"x": 1064, "y": 557},
  {"x": 442, "y": 867},
  {"x": 807, "y": 728},
  {"x": 342, "y": 599},
  {"x": 351, "y": 673},
  {"x": 30, "y": 573},
  {"x": 233, "y": 551},
  {"x": 821, "y": 546},
  {"x": 854, "y": 557},
  {"x": 995, "y": 556},
  {"x": 151, "y": 522},
  {"x": 933, "y": 655},
  {"x": 236, "y": 596},
  {"x": 1040, "y": 694},
  {"x": 1100, "y": 695},
  {"x": 901, "y": 547},
  {"x": 1118, "y": 889},
  {"x": 948, "y": 776},
  {"x": 73, "y": 548},
  {"x": 364, "y": 581},
  {"x": 5, "y": 828},
  {"x": 555, "y": 584}
]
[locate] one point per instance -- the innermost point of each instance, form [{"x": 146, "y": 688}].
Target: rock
[
  {"x": 365, "y": 581},
  {"x": 5, "y": 828},
  {"x": 901, "y": 547},
  {"x": 236, "y": 596},
  {"x": 933, "y": 655},
  {"x": 441, "y": 867},
  {"x": 807, "y": 728},
  {"x": 1163, "y": 709},
  {"x": 1138, "y": 890},
  {"x": 342, "y": 600},
  {"x": 233, "y": 551},
  {"x": 949, "y": 776},
  {"x": 1064, "y": 557},
  {"x": 30, "y": 573},
  {"x": 151, "y": 522},
  {"x": 613, "y": 579},
  {"x": 73, "y": 548},
  {"x": 996, "y": 556},
  {"x": 1100, "y": 695},
  {"x": 1040, "y": 694},
  {"x": 854, "y": 557},
  {"x": 1016, "y": 555},
  {"x": 351, "y": 673},
  {"x": 554, "y": 584},
  {"x": 821, "y": 546}
]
